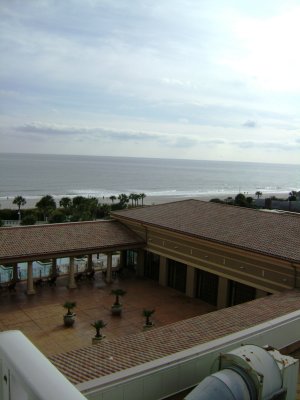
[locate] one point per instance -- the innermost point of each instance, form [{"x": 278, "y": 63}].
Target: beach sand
[
  {"x": 152, "y": 200},
  {"x": 30, "y": 203}
]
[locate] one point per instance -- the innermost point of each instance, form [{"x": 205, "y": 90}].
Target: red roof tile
[
  {"x": 44, "y": 240},
  {"x": 114, "y": 355},
  {"x": 267, "y": 233}
]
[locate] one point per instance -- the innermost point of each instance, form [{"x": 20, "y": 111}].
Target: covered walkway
[{"x": 34, "y": 243}]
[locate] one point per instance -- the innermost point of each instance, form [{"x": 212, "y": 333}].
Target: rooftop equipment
[{"x": 250, "y": 373}]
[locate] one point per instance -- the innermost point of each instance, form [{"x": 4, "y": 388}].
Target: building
[{"x": 222, "y": 254}]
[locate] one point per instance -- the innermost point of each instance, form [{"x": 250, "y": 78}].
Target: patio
[{"x": 40, "y": 317}]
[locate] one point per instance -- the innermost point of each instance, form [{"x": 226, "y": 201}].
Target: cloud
[
  {"x": 269, "y": 58},
  {"x": 164, "y": 76},
  {"x": 48, "y": 130},
  {"x": 250, "y": 124},
  {"x": 268, "y": 145},
  {"x": 99, "y": 133},
  {"x": 187, "y": 140},
  {"x": 176, "y": 140}
]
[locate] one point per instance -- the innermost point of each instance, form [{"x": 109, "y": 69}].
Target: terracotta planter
[
  {"x": 116, "y": 309},
  {"x": 97, "y": 340},
  {"x": 69, "y": 319}
]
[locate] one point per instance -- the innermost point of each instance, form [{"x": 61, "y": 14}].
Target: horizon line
[{"x": 148, "y": 158}]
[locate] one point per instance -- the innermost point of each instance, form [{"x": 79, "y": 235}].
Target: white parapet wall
[
  {"x": 172, "y": 374},
  {"x": 26, "y": 374}
]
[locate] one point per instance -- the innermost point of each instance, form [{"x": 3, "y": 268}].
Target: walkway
[{"x": 40, "y": 317}]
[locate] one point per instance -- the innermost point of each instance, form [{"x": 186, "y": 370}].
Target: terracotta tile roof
[
  {"x": 114, "y": 355},
  {"x": 267, "y": 233},
  {"x": 40, "y": 240}
]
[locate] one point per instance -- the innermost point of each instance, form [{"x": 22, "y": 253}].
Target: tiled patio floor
[{"x": 40, "y": 316}]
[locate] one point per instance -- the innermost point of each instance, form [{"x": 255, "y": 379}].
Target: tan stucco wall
[{"x": 268, "y": 274}]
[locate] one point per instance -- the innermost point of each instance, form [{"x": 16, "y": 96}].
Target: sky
[{"x": 191, "y": 79}]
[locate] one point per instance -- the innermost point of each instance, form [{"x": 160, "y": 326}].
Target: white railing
[
  {"x": 15, "y": 222},
  {"x": 11, "y": 222},
  {"x": 26, "y": 374}
]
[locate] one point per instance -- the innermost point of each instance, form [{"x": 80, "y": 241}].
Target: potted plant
[
  {"x": 98, "y": 325},
  {"x": 116, "y": 308},
  {"x": 147, "y": 314},
  {"x": 69, "y": 318}
]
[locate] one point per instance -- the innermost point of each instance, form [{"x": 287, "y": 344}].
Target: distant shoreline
[{"x": 149, "y": 200}]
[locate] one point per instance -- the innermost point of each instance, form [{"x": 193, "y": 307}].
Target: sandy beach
[
  {"x": 7, "y": 203},
  {"x": 30, "y": 203}
]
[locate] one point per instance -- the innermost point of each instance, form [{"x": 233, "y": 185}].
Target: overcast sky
[{"x": 199, "y": 79}]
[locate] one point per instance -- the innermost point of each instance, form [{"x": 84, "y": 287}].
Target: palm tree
[
  {"x": 20, "y": 201},
  {"x": 46, "y": 205},
  {"x": 147, "y": 314},
  {"x": 65, "y": 202},
  {"x": 131, "y": 197},
  {"x": 84, "y": 208},
  {"x": 69, "y": 305},
  {"x": 292, "y": 196},
  {"x": 79, "y": 202},
  {"x": 136, "y": 199},
  {"x": 118, "y": 293},
  {"x": 112, "y": 198},
  {"x": 116, "y": 308},
  {"x": 123, "y": 198},
  {"x": 142, "y": 196},
  {"x": 69, "y": 318},
  {"x": 258, "y": 194},
  {"x": 92, "y": 206},
  {"x": 98, "y": 325},
  {"x": 240, "y": 200}
]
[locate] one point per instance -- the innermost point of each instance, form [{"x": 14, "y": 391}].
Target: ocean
[{"x": 35, "y": 175}]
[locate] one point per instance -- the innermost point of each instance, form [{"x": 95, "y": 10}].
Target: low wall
[
  {"x": 26, "y": 374},
  {"x": 173, "y": 374},
  {"x": 16, "y": 222}
]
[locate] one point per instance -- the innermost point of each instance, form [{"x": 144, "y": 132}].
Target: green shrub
[
  {"x": 29, "y": 219},
  {"x": 9, "y": 214},
  {"x": 57, "y": 217}
]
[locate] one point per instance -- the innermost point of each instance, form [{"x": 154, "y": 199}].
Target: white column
[
  {"x": 72, "y": 283},
  {"x": 109, "y": 268},
  {"x": 30, "y": 287}
]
